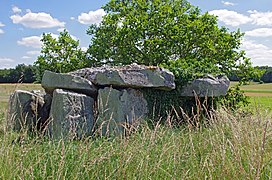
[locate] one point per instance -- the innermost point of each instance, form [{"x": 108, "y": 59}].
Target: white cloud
[
  {"x": 260, "y": 32},
  {"x": 231, "y": 18},
  {"x": 31, "y": 41},
  {"x": 26, "y": 57},
  {"x": 6, "y": 62},
  {"x": 260, "y": 54},
  {"x": 35, "y": 41},
  {"x": 37, "y": 20},
  {"x": 226, "y": 3},
  {"x": 15, "y": 9},
  {"x": 72, "y": 18},
  {"x": 93, "y": 17},
  {"x": 1, "y": 30},
  {"x": 60, "y": 29},
  {"x": 261, "y": 18},
  {"x": 32, "y": 53}
]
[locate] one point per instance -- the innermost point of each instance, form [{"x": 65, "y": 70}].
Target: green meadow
[
  {"x": 259, "y": 89},
  {"x": 7, "y": 89},
  {"x": 260, "y": 95},
  {"x": 233, "y": 146}
]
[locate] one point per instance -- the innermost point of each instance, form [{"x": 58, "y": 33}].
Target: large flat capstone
[
  {"x": 27, "y": 111},
  {"x": 71, "y": 115},
  {"x": 207, "y": 87},
  {"x": 119, "y": 110},
  {"x": 52, "y": 81},
  {"x": 130, "y": 76}
]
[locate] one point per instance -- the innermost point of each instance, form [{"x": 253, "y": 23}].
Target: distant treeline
[
  {"x": 266, "y": 77},
  {"x": 26, "y": 74},
  {"x": 21, "y": 73}
]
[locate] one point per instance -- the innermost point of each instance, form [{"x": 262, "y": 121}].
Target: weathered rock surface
[
  {"x": 71, "y": 115},
  {"x": 52, "y": 81},
  {"x": 28, "y": 111},
  {"x": 106, "y": 100},
  {"x": 209, "y": 86},
  {"x": 131, "y": 76},
  {"x": 120, "y": 111}
]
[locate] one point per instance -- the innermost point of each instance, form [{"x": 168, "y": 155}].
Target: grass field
[
  {"x": 7, "y": 89},
  {"x": 260, "y": 94},
  {"x": 233, "y": 146},
  {"x": 258, "y": 89}
]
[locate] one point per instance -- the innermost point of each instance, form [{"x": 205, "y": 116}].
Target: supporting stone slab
[
  {"x": 119, "y": 110},
  {"x": 71, "y": 115},
  {"x": 27, "y": 111}
]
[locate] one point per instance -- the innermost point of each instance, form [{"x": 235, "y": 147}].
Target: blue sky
[{"x": 23, "y": 22}]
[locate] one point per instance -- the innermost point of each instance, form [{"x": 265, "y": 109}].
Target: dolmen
[{"x": 103, "y": 100}]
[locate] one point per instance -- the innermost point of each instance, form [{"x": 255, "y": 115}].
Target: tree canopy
[
  {"x": 61, "y": 54},
  {"x": 169, "y": 33}
]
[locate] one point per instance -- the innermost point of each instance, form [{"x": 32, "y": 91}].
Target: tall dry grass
[{"x": 231, "y": 146}]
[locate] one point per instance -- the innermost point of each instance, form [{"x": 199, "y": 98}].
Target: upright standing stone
[
  {"x": 71, "y": 115},
  {"x": 24, "y": 110},
  {"x": 119, "y": 110}
]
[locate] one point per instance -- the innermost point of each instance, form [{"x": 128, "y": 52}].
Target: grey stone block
[
  {"x": 71, "y": 115},
  {"x": 130, "y": 76},
  {"x": 27, "y": 111},
  {"x": 208, "y": 86},
  {"x": 119, "y": 110},
  {"x": 52, "y": 81}
]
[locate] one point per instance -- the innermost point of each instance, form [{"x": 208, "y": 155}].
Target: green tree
[
  {"x": 21, "y": 73},
  {"x": 61, "y": 54},
  {"x": 267, "y": 76},
  {"x": 169, "y": 33}
]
